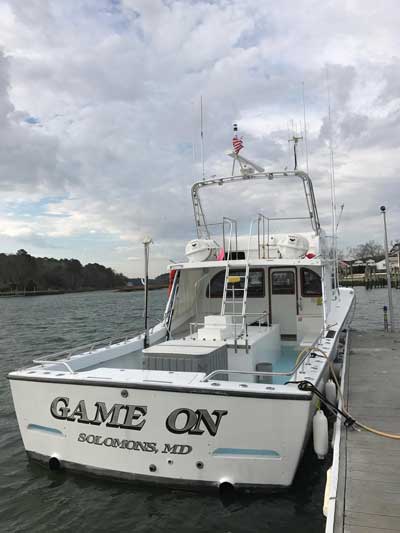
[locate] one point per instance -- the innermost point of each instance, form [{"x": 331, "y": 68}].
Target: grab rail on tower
[
  {"x": 232, "y": 233},
  {"x": 263, "y": 239}
]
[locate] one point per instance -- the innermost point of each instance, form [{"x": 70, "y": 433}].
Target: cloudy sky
[{"x": 99, "y": 116}]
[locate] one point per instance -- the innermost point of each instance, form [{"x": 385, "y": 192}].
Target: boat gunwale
[{"x": 295, "y": 395}]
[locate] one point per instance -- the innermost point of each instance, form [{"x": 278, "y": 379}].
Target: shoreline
[
  {"x": 49, "y": 292},
  {"x": 138, "y": 288},
  {"x": 55, "y": 292}
]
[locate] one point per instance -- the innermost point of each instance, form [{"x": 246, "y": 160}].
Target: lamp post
[
  {"x": 146, "y": 242},
  {"x": 389, "y": 282}
]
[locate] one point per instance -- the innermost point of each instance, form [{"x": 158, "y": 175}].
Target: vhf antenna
[
  {"x": 235, "y": 129},
  {"x": 202, "y": 136},
  {"x": 295, "y": 139}
]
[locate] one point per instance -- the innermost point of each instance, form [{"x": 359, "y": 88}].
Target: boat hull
[{"x": 174, "y": 437}]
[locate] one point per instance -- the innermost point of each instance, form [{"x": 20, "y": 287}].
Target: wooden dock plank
[
  {"x": 365, "y": 529},
  {"x": 369, "y": 475},
  {"x": 374, "y": 521}
]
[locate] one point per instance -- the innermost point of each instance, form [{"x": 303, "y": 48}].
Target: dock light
[
  {"x": 388, "y": 273},
  {"x": 147, "y": 240}
]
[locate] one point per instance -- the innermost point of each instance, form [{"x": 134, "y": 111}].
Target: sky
[{"x": 100, "y": 118}]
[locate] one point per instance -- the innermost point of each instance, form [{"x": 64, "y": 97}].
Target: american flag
[{"x": 237, "y": 144}]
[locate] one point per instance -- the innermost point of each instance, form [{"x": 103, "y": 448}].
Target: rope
[{"x": 349, "y": 420}]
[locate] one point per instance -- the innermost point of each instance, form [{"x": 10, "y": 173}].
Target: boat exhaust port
[
  {"x": 55, "y": 463},
  {"x": 226, "y": 489}
]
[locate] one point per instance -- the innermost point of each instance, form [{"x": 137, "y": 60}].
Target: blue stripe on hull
[
  {"x": 46, "y": 429},
  {"x": 246, "y": 451}
]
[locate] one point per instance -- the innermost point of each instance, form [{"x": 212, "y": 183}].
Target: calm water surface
[{"x": 34, "y": 499}]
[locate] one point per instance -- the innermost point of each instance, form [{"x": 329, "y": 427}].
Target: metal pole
[
  {"x": 146, "y": 242},
  {"x": 202, "y": 136},
  {"x": 389, "y": 282}
]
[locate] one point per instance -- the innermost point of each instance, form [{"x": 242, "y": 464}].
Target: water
[{"x": 34, "y": 499}]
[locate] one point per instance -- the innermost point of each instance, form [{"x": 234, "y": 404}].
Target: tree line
[
  {"x": 23, "y": 272},
  {"x": 369, "y": 250}
]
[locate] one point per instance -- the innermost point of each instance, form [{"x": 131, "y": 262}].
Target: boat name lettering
[
  {"x": 132, "y": 417},
  {"x": 190, "y": 421},
  {"x": 180, "y": 421},
  {"x": 133, "y": 445}
]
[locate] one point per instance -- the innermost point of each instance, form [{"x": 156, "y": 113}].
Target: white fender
[
  {"x": 330, "y": 391},
  {"x": 320, "y": 434}
]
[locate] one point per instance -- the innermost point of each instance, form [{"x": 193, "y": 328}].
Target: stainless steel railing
[
  {"x": 232, "y": 233},
  {"x": 262, "y": 318},
  {"x": 263, "y": 238},
  {"x": 290, "y": 373}
]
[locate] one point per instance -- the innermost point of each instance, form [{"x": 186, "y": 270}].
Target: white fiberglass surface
[
  {"x": 133, "y": 360},
  {"x": 284, "y": 363}
]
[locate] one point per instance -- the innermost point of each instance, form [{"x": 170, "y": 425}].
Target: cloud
[{"x": 99, "y": 107}]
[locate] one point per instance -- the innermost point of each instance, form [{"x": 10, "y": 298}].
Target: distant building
[
  {"x": 133, "y": 282},
  {"x": 393, "y": 261}
]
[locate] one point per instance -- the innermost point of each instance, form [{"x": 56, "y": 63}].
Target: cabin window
[
  {"x": 255, "y": 289},
  {"x": 283, "y": 282},
  {"x": 310, "y": 283}
]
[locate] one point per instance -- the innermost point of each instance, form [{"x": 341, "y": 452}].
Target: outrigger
[{"x": 210, "y": 395}]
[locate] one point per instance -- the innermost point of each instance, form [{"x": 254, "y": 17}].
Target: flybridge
[{"x": 252, "y": 171}]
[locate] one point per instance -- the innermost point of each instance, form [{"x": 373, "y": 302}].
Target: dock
[{"x": 368, "y": 490}]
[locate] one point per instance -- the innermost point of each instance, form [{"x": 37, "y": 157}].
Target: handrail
[
  {"x": 54, "y": 362},
  {"x": 249, "y": 239},
  {"x": 261, "y": 222},
  {"x": 168, "y": 313},
  {"x": 52, "y": 359},
  {"x": 264, "y": 314},
  {"x": 233, "y": 223},
  {"x": 255, "y": 373},
  {"x": 200, "y": 220}
]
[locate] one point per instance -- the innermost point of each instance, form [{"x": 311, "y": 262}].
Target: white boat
[{"x": 210, "y": 396}]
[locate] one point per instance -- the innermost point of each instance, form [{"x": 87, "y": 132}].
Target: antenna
[
  {"x": 288, "y": 136},
  {"x": 339, "y": 217},
  {"x": 235, "y": 129},
  {"x": 333, "y": 189},
  {"x": 295, "y": 139},
  {"x": 202, "y": 135},
  {"x": 305, "y": 127}
]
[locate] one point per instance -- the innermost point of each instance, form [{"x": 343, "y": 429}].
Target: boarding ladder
[{"x": 229, "y": 299}]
